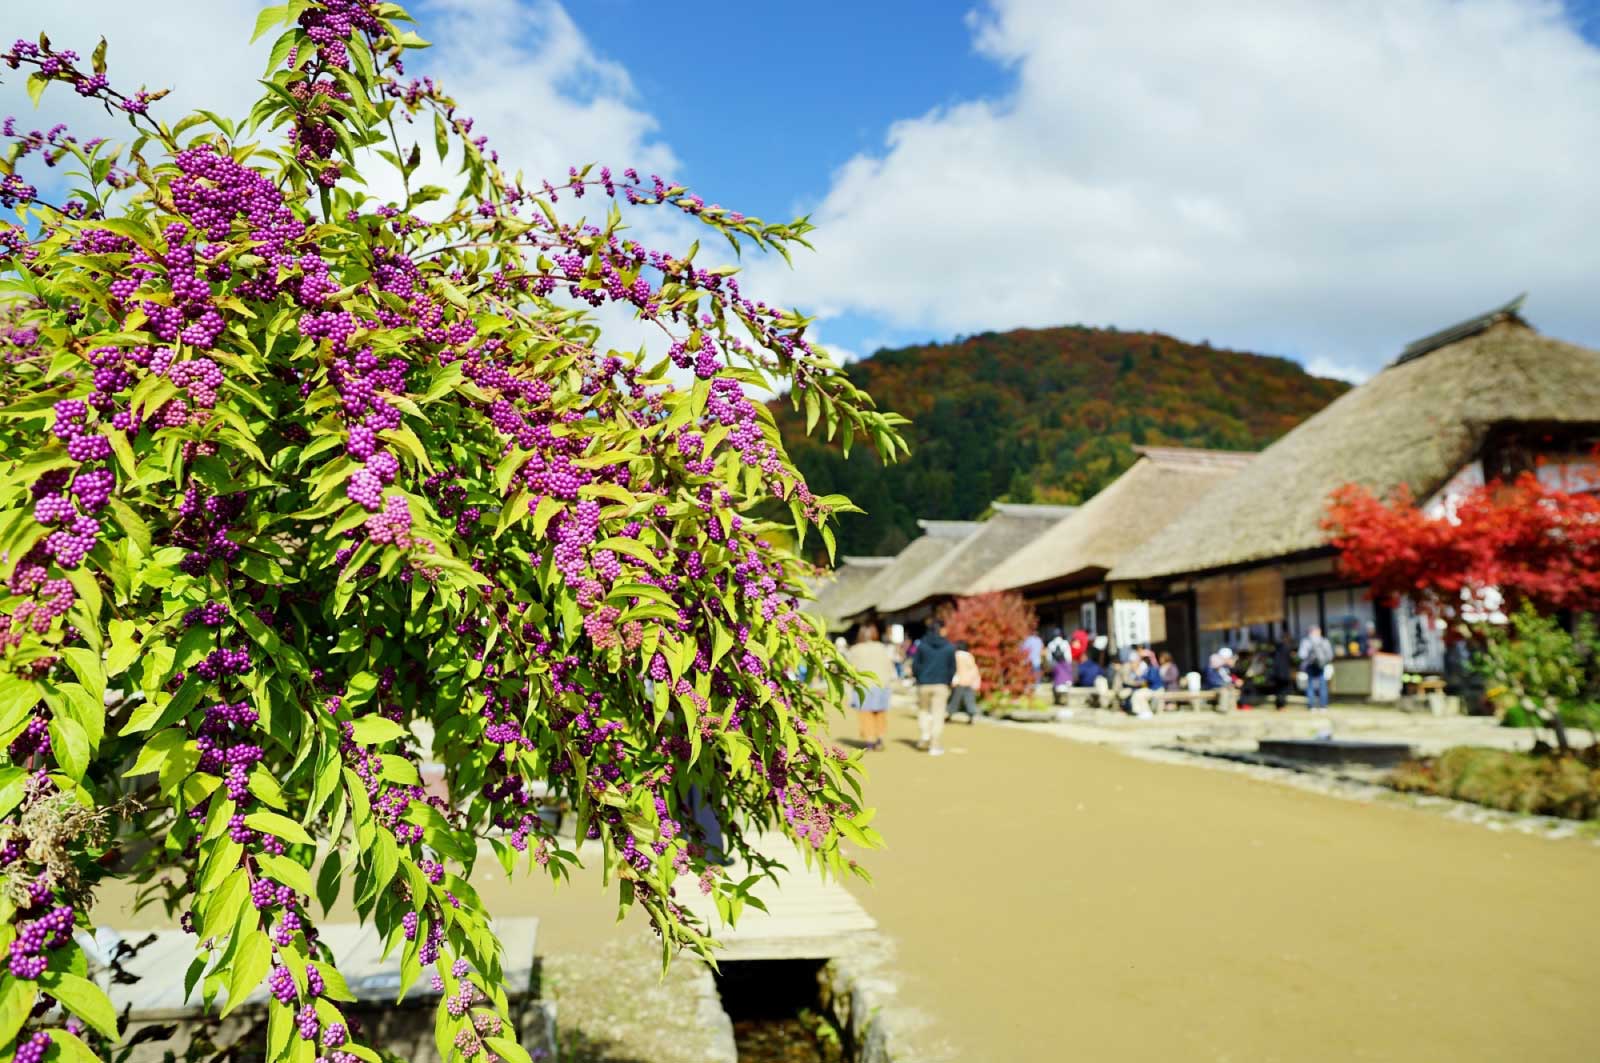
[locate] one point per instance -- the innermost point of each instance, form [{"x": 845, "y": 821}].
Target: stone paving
[{"x": 1240, "y": 731}]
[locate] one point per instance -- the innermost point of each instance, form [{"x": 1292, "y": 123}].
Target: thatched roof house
[
  {"x": 938, "y": 538},
  {"x": 1159, "y": 487},
  {"x": 1415, "y": 424},
  {"x": 1012, "y": 527},
  {"x": 840, "y": 587}
]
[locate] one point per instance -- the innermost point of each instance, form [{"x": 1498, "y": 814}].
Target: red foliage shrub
[{"x": 993, "y": 626}]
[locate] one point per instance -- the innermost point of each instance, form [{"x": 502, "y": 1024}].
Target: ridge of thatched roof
[
  {"x": 837, "y": 588},
  {"x": 948, "y": 529},
  {"x": 939, "y": 538},
  {"x": 1012, "y": 527},
  {"x": 1412, "y": 425},
  {"x": 1156, "y": 489}
]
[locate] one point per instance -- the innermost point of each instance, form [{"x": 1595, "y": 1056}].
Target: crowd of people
[
  {"x": 947, "y": 681},
  {"x": 945, "y": 676},
  {"x": 1129, "y": 678}
]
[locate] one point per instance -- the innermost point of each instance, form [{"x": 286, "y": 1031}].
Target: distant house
[
  {"x": 1064, "y": 572},
  {"x": 1489, "y": 397},
  {"x": 839, "y": 588},
  {"x": 938, "y": 538},
  {"x": 1010, "y": 528}
]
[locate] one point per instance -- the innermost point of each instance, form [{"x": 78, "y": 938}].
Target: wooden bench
[
  {"x": 1081, "y": 697},
  {"x": 1222, "y": 699}
]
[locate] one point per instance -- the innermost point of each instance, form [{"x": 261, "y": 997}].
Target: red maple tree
[
  {"x": 993, "y": 626},
  {"x": 1495, "y": 547}
]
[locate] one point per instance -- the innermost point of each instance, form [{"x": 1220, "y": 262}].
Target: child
[{"x": 964, "y": 687}]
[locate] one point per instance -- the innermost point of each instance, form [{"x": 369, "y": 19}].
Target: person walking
[
  {"x": 933, "y": 667},
  {"x": 1316, "y": 654},
  {"x": 1281, "y": 673},
  {"x": 874, "y": 660},
  {"x": 965, "y": 685}
]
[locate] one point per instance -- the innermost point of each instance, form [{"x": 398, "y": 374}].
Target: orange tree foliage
[
  {"x": 993, "y": 626},
  {"x": 1041, "y": 415},
  {"x": 1523, "y": 541}
]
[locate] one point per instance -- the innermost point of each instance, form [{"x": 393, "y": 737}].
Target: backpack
[
  {"x": 1058, "y": 652},
  {"x": 1321, "y": 655}
]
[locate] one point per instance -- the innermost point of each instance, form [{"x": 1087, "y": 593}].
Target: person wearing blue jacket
[{"x": 933, "y": 666}]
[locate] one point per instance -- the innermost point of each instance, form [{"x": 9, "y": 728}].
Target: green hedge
[{"x": 1539, "y": 783}]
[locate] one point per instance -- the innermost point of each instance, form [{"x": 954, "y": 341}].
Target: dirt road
[
  {"x": 1051, "y": 900},
  {"x": 1057, "y": 901}
]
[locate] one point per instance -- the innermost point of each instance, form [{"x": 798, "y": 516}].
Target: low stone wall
[
  {"x": 712, "y": 1017},
  {"x": 857, "y": 1001}
]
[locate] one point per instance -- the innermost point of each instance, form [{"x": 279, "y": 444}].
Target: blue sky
[
  {"x": 766, "y": 124},
  {"x": 1322, "y": 180},
  {"x": 764, "y": 128}
]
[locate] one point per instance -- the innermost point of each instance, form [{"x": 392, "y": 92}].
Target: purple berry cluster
[{"x": 37, "y": 936}]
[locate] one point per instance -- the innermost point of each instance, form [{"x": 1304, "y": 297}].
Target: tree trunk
[{"x": 1552, "y": 716}]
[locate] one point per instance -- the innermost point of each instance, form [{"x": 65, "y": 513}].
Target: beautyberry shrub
[{"x": 336, "y": 542}]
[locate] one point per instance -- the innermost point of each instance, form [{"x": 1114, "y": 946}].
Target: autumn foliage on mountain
[
  {"x": 1521, "y": 542},
  {"x": 993, "y": 626},
  {"x": 1041, "y": 415}
]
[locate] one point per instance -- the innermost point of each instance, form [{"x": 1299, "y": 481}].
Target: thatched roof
[
  {"x": 1158, "y": 488},
  {"x": 1414, "y": 424},
  {"x": 841, "y": 586},
  {"x": 1012, "y": 527},
  {"x": 938, "y": 538}
]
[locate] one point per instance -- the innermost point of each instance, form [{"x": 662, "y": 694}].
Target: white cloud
[
  {"x": 1328, "y": 180},
  {"x": 198, "y": 50},
  {"x": 1323, "y": 366},
  {"x": 537, "y": 88}
]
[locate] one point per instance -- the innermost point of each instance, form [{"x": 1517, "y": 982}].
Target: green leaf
[
  {"x": 507, "y": 467},
  {"x": 549, "y": 506},
  {"x": 224, "y": 905},
  {"x": 13, "y": 783},
  {"x": 124, "y": 648},
  {"x": 329, "y": 880},
  {"x": 441, "y": 136},
  {"x": 359, "y": 689},
  {"x": 278, "y": 826},
  {"x": 70, "y": 743},
  {"x": 17, "y": 699},
  {"x": 84, "y": 999},
  {"x": 69, "y": 1049},
  {"x": 375, "y": 730},
  {"x": 249, "y": 967},
  {"x": 385, "y": 861},
  {"x": 36, "y": 84},
  {"x": 284, "y": 870},
  {"x": 507, "y": 1049},
  {"x": 16, "y": 1002},
  {"x": 400, "y": 770},
  {"x": 222, "y": 862},
  {"x": 156, "y": 751},
  {"x": 334, "y": 985},
  {"x": 268, "y": 18}
]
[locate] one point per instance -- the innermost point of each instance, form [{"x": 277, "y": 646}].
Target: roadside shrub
[
  {"x": 1539, "y": 783},
  {"x": 1536, "y": 664},
  {"x": 993, "y": 625},
  {"x": 297, "y": 479}
]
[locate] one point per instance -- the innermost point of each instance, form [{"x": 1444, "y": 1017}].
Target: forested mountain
[{"x": 1042, "y": 415}]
